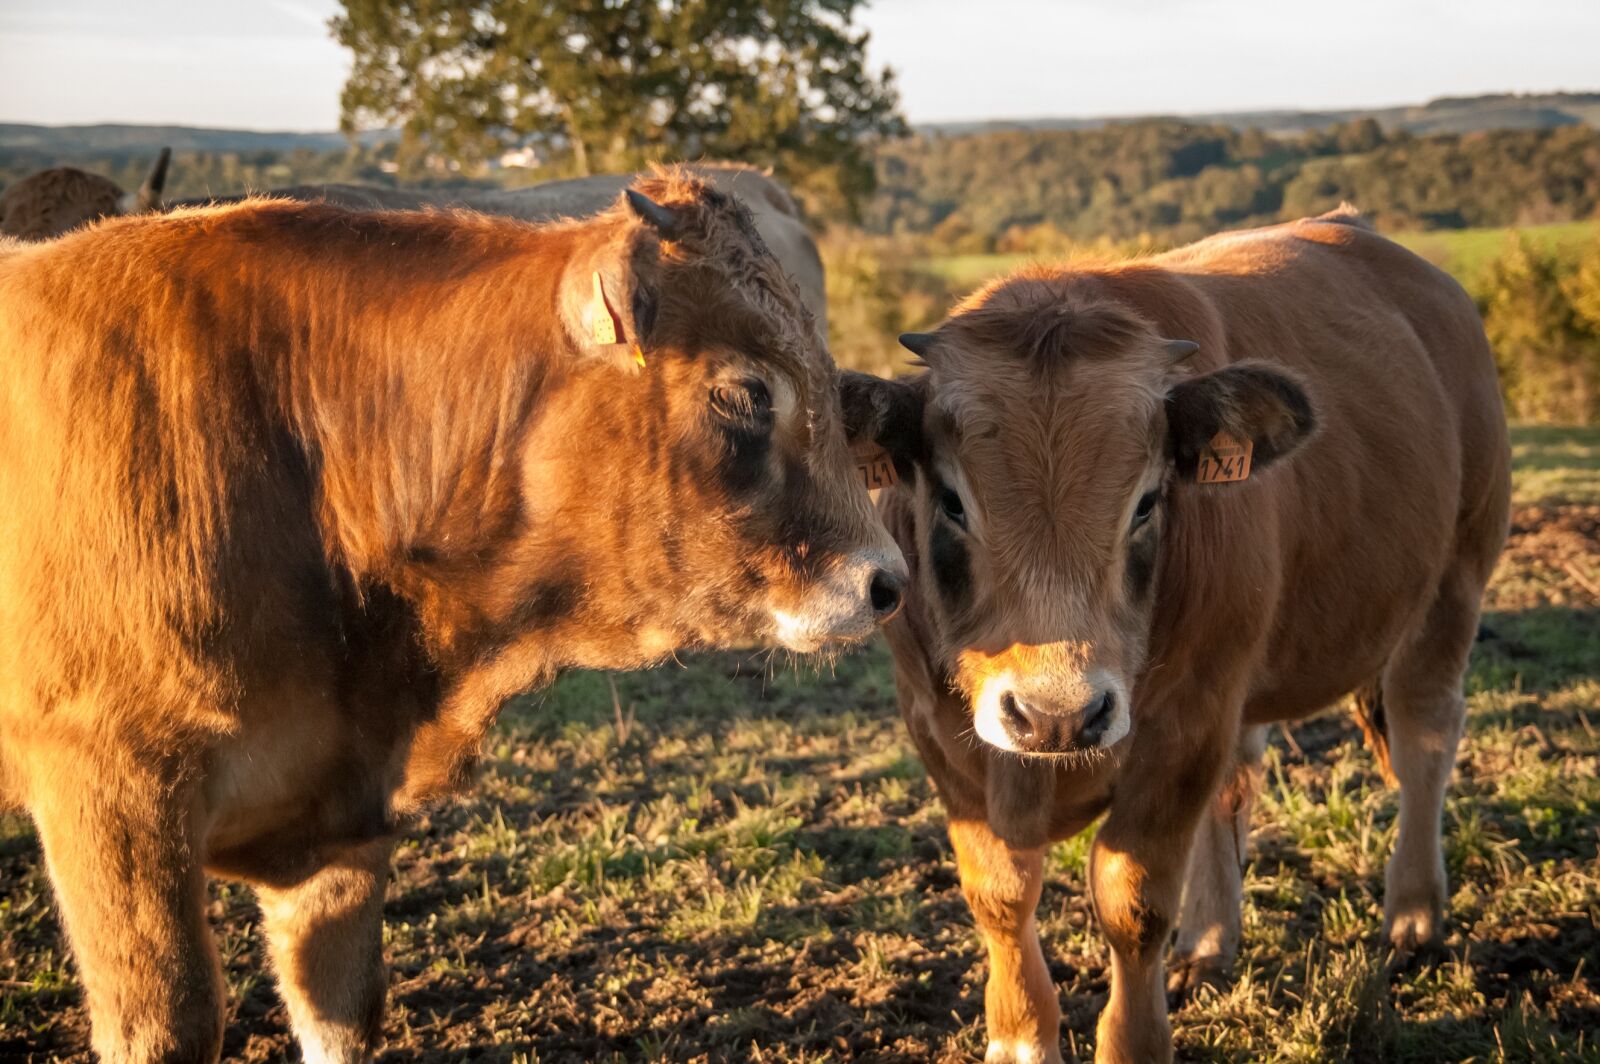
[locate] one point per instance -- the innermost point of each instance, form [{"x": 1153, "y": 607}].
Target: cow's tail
[{"x": 1367, "y": 701}]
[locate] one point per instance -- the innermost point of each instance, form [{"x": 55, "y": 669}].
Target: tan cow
[
  {"x": 286, "y": 520},
  {"x": 51, "y": 202},
  {"x": 776, "y": 215},
  {"x": 1129, "y": 552}
]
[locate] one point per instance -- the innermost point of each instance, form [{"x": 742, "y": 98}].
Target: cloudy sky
[{"x": 269, "y": 64}]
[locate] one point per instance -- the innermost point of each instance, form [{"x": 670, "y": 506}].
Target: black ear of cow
[
  {"x": 885, "y": 412},
  {"x": 1253, "y": 401}
]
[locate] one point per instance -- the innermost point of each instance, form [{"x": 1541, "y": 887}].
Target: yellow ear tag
[
  {"x": 605, "y": 323},
  {"x": 638, "y": 355},
  {"x": 874, "y": 466},
  {"x": 1225, "y": 459}
]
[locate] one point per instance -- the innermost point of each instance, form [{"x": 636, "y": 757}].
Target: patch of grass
[
  {"x": 1466, "y": 253},
  {"x": 1555, "y": 464}
]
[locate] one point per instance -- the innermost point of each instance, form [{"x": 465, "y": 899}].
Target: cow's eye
[
  {"x": 745, "y": 402},
  {"x": 1146, "y": 507},
  {"x": 950, "y": 506}
]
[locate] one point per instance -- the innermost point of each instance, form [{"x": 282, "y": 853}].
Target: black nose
[
  {"x": 1096, "y": 718},
  {"x": 1038, "y": 731},
  {"x": 887, "y": 591}
]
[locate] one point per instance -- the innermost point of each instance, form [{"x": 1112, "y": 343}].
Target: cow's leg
[
  {"x": 1213, "y": 889},
  {"x": 325, "y": 936},
  {"x": 119, "y": 843},
  {"x": 1423, "y": 711},
  {"x": 1002, "y": 887},
  {"x": 1136, "y": 872}
]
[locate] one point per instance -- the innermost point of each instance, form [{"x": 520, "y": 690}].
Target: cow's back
[{"x": 1409, "y": 469}]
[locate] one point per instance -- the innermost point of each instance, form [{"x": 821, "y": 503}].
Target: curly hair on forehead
[{"x": 1043, "y": 317}]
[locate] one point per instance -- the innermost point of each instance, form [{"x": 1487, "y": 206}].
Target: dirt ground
[{"x": 743, "y": 860}]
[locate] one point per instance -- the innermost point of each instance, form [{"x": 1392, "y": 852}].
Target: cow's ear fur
[
  {"x": 885, "y": 412},
  {"x": 626, "y": 267},
  {"x": 1250, "y": 400}
]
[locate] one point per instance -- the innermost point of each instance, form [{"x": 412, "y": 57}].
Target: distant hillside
[
  {"x": 66, "y": 142},
  {"x": 1448, "y": 114},
  {"x": 1031, "y": 191}
]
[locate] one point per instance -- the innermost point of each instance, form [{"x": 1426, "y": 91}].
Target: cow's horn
[
  {"x": 1178, "y": 350},
  {"x": 666, "y": 221},
  {"x": 150, "y": 191},
  {"x": 917, "y": 343}
]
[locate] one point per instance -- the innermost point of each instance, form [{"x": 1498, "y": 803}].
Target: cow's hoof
[
  {"x": 1020, "y": 1052},
  {"x": 1414, "y": 930},
  {"x": 1122, "y": 1042},
  {"x": 1187, "y": 973}
]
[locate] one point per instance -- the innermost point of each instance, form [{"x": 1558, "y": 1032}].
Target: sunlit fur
[
  {"x": 1353, "y": 558},
  {"x": 295, "y": 497}
]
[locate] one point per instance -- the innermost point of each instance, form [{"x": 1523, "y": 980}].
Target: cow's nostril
[
  {"x": 1015, "y": 720},
  {"x": 1097, "y": 718},
  {"x": 886, "y": 591}
]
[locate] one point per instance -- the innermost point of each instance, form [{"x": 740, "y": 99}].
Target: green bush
[
  {"x": 875, "y": 293},
  {"x": 1543, "y": 320}
]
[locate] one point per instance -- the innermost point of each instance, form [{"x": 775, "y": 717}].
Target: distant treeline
[
  {"x": 1170, "y": 182},
  {"x": 204, "y": 173},
  {"x": 1163, "y": 182}
]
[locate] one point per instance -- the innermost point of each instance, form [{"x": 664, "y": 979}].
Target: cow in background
[
  {"x": 776, "y": 214},
  {"x": 51, "y": 202},
  {"x": 1150, "y": 507}
]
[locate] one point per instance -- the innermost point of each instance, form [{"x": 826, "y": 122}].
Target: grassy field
[
  {"x": 738, "y": 860},
  {"x": 1464, "y": 253}
]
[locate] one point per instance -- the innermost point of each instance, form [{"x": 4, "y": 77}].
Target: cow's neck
[{"x": 411, "y": 394}]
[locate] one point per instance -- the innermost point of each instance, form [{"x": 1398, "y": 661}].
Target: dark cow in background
[
  {"x": 44, "y": 205},
  {"x": 1151, "y": 506},
  {"x": 297, "y": 496},
  {"x": 776, "y": 215}
]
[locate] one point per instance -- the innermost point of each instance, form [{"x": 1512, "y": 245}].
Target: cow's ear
[
  {"x": 885, "y": 412},
  {"x": 608, "y": 297},
  {"x": 1258, "y": 410}
]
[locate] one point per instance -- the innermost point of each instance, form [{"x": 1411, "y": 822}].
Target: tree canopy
[{"x": 608, "y": 85}]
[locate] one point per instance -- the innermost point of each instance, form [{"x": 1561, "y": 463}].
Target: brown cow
[
  {"x": 51, "y": 202},
  {"x": 1128, "y": 553},
  {"x": 295, "y": 497}
]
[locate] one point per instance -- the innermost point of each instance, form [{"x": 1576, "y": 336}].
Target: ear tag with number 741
[
  {"x": 875, "y": 467},
  {"x": 1226, "y": 459}
]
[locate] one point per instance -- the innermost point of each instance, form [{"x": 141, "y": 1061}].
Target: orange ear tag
[
  {"x": 638, "y": 355},
  {"x": 875, "y": 467},
  {"x": 606, "y": 325},
  {"x": 1225, "y": 459}
]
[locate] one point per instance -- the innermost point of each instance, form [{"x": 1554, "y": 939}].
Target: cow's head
[
  {"x": 692, "y": 466},
  {"x": 47, "y": 204},
  {"x": 1041, "y": 455}
]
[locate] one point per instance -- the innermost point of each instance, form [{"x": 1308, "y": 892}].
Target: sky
[{"x": 270, "y": 64}]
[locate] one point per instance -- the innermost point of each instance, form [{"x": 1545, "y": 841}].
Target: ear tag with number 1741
[{"x": 1225, "y": 460}]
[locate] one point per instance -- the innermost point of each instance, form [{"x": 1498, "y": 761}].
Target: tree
[{"x": 608, "y": 85}]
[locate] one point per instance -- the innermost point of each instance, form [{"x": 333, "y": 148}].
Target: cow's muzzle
[
  {"x": 1037, "y": 730},
  {"x": 865, "y": 589}
]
